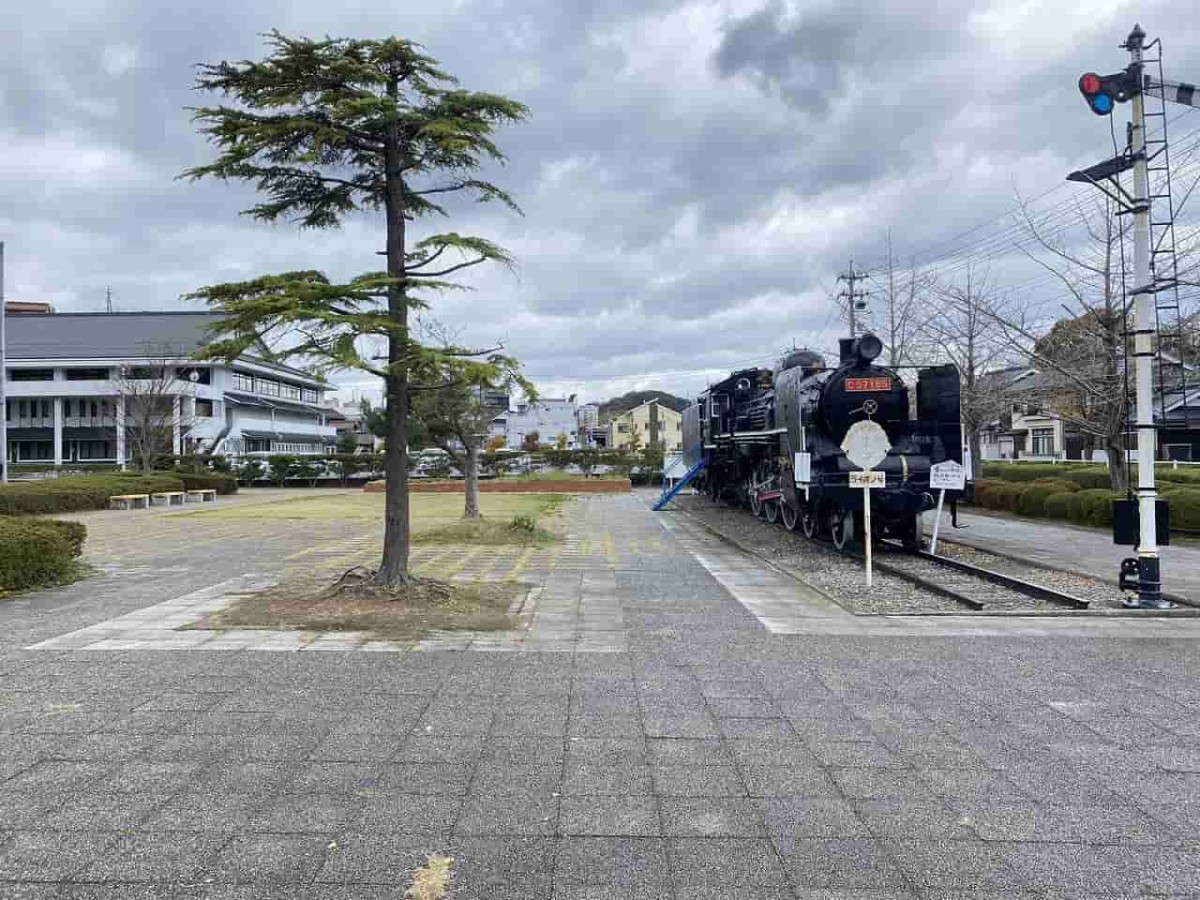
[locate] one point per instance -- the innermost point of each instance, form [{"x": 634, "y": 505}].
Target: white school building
[{"x": 66, "y": 395}]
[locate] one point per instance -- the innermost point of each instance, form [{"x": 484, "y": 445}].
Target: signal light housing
[{"x": 1104, "y": 92}]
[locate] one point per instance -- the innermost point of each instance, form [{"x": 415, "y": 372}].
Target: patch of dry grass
[
  {"x": 432, "y": 880},
  {"x": 355, "y": 604}
]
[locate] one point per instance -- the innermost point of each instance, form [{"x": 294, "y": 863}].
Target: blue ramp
[{"x": 668, "y": 496}]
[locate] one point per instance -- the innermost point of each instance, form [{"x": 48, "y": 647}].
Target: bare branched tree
[
  {"x": 157, "y": 403},
  {"x": 1083, "y": 355},
  {"x": 964, "y": 327},
  {"x": 903, "y": 296}
]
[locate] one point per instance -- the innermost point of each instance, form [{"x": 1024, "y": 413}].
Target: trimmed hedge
[
  {"x": 1032, "y": 499},
  {"x": 1061, "y": 506},
  {"x": 37, "y": 552},
  {"x": 196, "y": 481},
  {"x": 74, "y": 494}
]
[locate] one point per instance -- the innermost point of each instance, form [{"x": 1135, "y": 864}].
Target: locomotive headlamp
[{"x": 868, "y": 347}]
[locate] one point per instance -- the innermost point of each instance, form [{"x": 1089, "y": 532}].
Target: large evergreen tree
[{"x": 328, "y": 128}]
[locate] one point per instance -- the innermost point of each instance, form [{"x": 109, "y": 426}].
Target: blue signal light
[{"x": 1102, "y": 103}]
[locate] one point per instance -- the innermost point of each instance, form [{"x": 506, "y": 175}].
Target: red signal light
[{"x": 1090, "y": 83}]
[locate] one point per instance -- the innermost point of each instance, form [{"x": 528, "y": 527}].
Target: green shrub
[
  {"x": 997, "y": 494},
  {"x": 283, "y": 466},
  {"x": 1094, "y": 477},
  {"x": 37, "y": 552},
  {"x": 1095, "y": 507},
  {"x": 1062, "y": 505},
  {"x": 195, "y": 481},
  {"x": 1185, "y": 509},
  {"x": 1177, "y": 476},
  {"x": 77, "y": 493},
  {"x": 251, "y": 470},
  {"x": 1032, "y": 471},
  {"x": 1032, "y": 499}
]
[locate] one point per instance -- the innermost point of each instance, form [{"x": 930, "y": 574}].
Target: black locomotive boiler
[{"x": 776, "y": 441}]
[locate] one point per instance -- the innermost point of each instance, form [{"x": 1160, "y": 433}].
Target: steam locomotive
[{"x": 776, "y": 440}]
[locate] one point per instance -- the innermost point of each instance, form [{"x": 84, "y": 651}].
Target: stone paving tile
[{"x": 700, "y": 752}]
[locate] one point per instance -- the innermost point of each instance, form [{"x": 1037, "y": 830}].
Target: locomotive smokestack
[
  {"x": 864, "y": 349},
  {"x": 845, "y": 350}
]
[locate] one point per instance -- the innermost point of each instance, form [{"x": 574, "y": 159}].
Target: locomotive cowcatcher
[{"x": 773, "y": 440}]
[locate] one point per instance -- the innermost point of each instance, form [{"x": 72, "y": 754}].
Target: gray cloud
[{"x": 694, "y": 174}]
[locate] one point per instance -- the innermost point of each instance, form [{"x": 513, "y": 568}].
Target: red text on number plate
[{"x": 858, "y": 385}]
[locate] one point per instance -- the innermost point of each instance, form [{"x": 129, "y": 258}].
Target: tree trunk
[
  {"x": 976, "y": 451},
  {"x": 471, "y": 476},
  {"x": 1118, "y": 472},
  {"x": 393, "y": 571}
]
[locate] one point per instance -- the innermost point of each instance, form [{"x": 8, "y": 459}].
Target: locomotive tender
[{"x": 772, "y": 439}]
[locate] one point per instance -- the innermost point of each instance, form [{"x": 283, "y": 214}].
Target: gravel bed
[
  {"x": 1102, "y": 594},
  {"x": 843, "y": 580},
  {"x": 838, "y": 576}
]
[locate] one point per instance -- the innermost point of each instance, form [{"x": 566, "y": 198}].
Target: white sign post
[
  {"x": 867, "y": 480},
  {"x": 945, "y": 476}
]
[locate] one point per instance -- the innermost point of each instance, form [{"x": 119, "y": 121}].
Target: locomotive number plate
[{"x": 860, "y": 385}]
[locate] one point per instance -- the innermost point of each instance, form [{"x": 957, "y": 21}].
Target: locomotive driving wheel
[
  {"x": 791, "y": 515},
  {"x": 841, "y": 526},
  {"x": 771, "y": 508},
  {"x": 808, "y": 522},
  {"x": 756, "y": 505}
]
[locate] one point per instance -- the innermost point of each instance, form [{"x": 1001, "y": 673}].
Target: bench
[
  {"x": 168, "y": 498},
  {"x": 129, "y": 501},
  {"x": 201, "y": 495}
]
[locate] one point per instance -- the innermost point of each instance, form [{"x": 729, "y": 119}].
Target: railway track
[{"x": 973, "y": 587}]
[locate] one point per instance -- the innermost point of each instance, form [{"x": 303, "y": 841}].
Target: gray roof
[{"x": 106, "y": 335}]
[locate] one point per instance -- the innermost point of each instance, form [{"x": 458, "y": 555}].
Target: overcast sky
[{"x": 693, "y": 176}]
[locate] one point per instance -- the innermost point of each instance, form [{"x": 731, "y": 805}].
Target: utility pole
[
  {"x": 108, "y": 299},
  {"x": 855, "y": 300},
  {"x": 3, "y": 377},
  {"x": 1144, "y": 327}
]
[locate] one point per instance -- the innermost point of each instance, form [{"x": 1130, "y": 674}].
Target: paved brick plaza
[{"x": 674, "y": 721}]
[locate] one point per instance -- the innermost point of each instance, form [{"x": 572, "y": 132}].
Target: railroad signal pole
[
  {"x": 1144, "y": 329},
  {"x": 855, "y": 300},
  {"x": 1102, "y": 93}
]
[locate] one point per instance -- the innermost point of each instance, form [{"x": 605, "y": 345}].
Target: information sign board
[
  {"x": 947, "y": 476},
  {"x": 867, "y": 480}
]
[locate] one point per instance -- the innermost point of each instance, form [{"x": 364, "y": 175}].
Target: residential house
[
  {"x": 652, "y": 424},
  {"x": 69, "y": 377},
  {"x": 548, "y": 418}
]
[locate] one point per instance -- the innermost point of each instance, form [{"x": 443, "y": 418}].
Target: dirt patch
[{"x": 354, "y": 603}]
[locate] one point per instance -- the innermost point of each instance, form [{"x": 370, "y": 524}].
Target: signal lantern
[{"x": 1103, "y": 92}]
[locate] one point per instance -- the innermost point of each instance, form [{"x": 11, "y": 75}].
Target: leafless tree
[
  {"x": 157, "y": 402},
  {"x": 1083, "y": 355},
  {"x": 963, "y": 326},
  {"x": 903, "y": 293}
]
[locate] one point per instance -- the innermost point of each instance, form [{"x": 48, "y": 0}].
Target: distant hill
[{"x": 626, "y": 402}]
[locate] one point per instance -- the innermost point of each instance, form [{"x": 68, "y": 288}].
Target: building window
[
  {"x": 89, "y": 374},
  {"x": 1043, "y": 441},
  {"x": 310, "y": 396},
  {"x": 30, "y": 374},
  {"x": 243, "y": 382},
  {"x": 204, "y": 409},
  {"x": 1181, "y": 452},
  {"x": 267, "y": 386},
  {"x": 258, "y": 445},
  {"x": 289, "y": 391}
]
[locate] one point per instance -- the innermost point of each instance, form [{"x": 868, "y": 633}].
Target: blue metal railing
[{"x": 669, "y": 495}]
